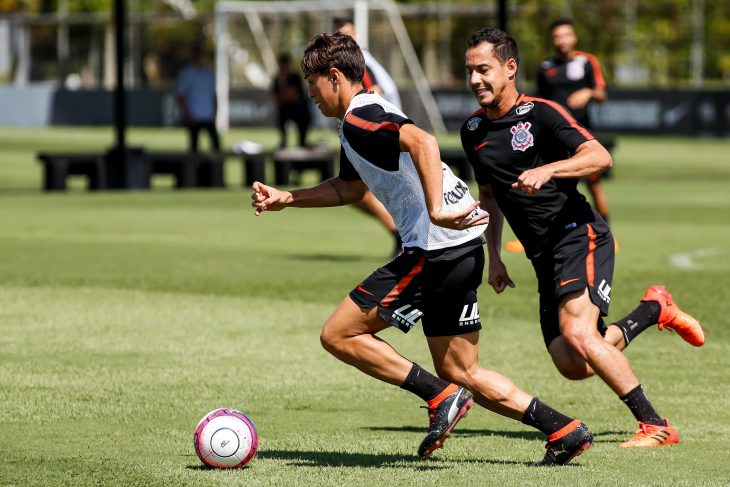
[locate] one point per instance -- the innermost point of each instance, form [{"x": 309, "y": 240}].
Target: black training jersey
[
  {"x": 533, "y": 133},
  {"x": 374, "y": 134},
  {"x": 557, "y": 79}
]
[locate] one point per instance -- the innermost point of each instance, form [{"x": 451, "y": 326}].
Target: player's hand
[
  {"x": 268, "y": 198},
  {"x": 462, "y": 219},
  {"x": 498, "y": 277},
  {"x": 579, "y": 99},
  {"x": 532, "y": 180}
]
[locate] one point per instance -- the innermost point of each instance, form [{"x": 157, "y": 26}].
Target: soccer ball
[{"x": 225, "y": 438}]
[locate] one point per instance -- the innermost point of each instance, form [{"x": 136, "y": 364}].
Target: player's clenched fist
[{"x": 268, "y": 198}]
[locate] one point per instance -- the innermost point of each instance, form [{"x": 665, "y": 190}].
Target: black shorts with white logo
[
  {"x": 437, "y": 288},
  {"x": 583, "y": 257}
]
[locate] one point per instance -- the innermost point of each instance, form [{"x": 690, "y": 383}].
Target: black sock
[
  {"x": 541, "y": 416},
  {"x": 639, "y": 404},
  {"x": 643, "y": 316},
  {"x": 423, "y": 384}
]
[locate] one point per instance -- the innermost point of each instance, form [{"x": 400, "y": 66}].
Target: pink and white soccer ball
[{"x": 226, "y": 438}]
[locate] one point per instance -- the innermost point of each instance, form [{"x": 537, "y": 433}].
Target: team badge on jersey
[
  {"x": 521, "y": 136},
  {"x": 575, "y": 69},
  {"x": 473, "y": 123}
]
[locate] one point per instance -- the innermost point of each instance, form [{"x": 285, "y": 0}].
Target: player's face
[
  {"x": 564, "y": 39},
  {"x": 321, "y": 91},
  {"x": 488, "y": 78}
]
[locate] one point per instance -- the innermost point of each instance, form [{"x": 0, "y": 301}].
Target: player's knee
[
  {"x": 330, "y": 339},
  {"x": 577, "y": 336}
]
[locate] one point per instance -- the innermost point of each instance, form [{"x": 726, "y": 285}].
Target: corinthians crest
[{"x": 521, "y": 136}]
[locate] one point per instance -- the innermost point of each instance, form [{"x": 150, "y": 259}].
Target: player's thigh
[
  {"x": 578, "y": 315},
  {"x": 349, "y": 320}
]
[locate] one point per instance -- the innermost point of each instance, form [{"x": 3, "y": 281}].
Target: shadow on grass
[
  {"x": 378, "y": 460},
  {"x": 613, "y": 436},
  {"x": 525, "y": 435},
  {"x": 297, "y": 458}
]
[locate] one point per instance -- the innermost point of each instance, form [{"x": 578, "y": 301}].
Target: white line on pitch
[{"x": 684, "y": 260}]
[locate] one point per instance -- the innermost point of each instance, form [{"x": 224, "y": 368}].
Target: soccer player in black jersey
[
  {"x": 528, "y": 154},
  {"x": 436, "y": 278}
]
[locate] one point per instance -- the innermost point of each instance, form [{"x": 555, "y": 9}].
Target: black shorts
[
  {"x": 582, "y": 257},
  {"x": 439, "y": 288}
]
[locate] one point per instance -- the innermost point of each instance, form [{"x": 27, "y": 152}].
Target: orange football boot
[
  {"x": 674, "y": 318},
  {"x": 650, "y": 435}
]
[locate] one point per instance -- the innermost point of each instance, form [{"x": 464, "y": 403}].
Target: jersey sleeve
[
  {"x": 347, "y": 170},
  {"x": 594, "y": 73},
  {"x": 555, "y": 118},
  {"x": 375, "y": 135}
]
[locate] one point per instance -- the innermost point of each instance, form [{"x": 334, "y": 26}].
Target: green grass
[{"x": 125, "y": 317}]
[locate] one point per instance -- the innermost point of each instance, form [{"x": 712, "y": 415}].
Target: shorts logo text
[
  {"x": 604, "y": 291},
  {"x": 521, "y": 136},
  {"x": 405, "y": 317},
  {"x": 469, "y": 318}
]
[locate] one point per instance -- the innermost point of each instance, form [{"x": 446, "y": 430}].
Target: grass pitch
[{"x": 125, "y": 317}]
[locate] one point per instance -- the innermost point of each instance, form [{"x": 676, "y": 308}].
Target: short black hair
[
  {"x": 503, "y": 45},
  {"x": 340, "y": 51},
  {"x": 558, "y": 22},
  {"x": 338, "y": 22}
]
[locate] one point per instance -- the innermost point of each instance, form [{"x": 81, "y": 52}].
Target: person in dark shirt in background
[{"x": 288, "y": 89}]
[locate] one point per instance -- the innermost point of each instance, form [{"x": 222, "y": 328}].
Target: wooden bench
[
  {"x": 300, "y": 159},
  {"x": 191, "y": 170},
  {"x": 57, "y": 167}
]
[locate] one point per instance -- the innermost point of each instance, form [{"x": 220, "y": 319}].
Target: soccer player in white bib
[{"x": 436, "y": 278}]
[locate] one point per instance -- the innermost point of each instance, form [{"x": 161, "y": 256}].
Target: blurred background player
[
  {"x": 196, "y": 97},
  {"x": 291, "y": 100},
  {"x": 376, "y": 77},
  {"x": 574, "y": 79},
  {"x": 376, "y": 80}
]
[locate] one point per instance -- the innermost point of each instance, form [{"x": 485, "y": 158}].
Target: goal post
[{"x": 260, "y": 22}]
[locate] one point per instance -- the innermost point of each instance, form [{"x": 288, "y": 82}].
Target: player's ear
[
  {"x": 511, "y": 66},
  {"x": 334, "y": 74}
]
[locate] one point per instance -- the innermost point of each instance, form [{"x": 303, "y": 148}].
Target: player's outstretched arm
[
  {"x": 332, "y": 192},
  {"x": 426, "y": 157},
  {"x": 498, "y": 277}
]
